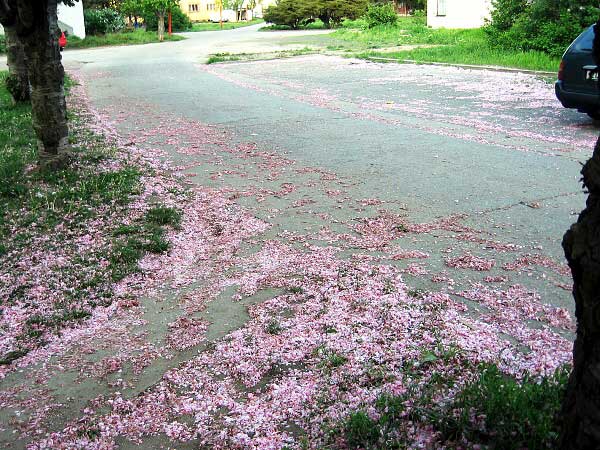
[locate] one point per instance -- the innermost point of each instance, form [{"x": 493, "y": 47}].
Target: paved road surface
[{"x": 479, "y": 164}]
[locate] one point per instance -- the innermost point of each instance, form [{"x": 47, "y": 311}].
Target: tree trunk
[
  {"x": 581, "y": 407},
  {"x": 18, "y": 80},
  {"x": 580, "y": 415},
  {"x": 38, "y": 31},
  {"x": 161, "y": 27}
]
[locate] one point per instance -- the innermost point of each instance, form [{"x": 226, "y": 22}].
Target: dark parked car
[{"x": 577, "y": 85}]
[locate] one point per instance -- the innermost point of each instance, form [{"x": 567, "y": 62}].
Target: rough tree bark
[
  {"x": 37, "y": 28},
  {"x": 581, "y": 408},
  {"x": 18, "y": 79},
  {"x": 161, "y": 26}
]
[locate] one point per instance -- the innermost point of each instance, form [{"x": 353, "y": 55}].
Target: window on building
[
  {"x": 441, "y": 7},
  {"x": 193, "y": 8}
]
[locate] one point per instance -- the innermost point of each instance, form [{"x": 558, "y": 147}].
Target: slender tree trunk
[
  {"x": 580, "y": 415},
  {"x": 18, "y": 80},
  {"x": 38, "y": 31},
  {"x": 161, "y": 26}
]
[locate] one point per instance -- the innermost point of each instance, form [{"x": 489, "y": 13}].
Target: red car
[{"x": 62, "y": 41}]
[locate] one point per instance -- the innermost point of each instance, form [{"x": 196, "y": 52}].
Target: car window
[{"x": 586, "y": 40}]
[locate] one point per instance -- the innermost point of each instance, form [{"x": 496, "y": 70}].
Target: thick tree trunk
[
  {"x": 18, "y": 80},
  {"x": 581, "y": 408},
  {"x": 161, "y": 27},
  {"x": 39, "y": 33},
  {"x": 580, "y": 415}
]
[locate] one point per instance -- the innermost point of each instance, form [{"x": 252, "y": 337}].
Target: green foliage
[
  {"x": 179, "y": 21},
  {"x": 162, "y": 215},
  {"x": 131, "y": 8},
  {"x": 495, "y": 411},
  {"x": 543, "y": 25},
  {"x": 291, "y": 13},
  {"x": 381, "y": 15},
  {"x": 516, "y": 414},
  {"x": 297, "y": 13},
  {"x": 102, "y": 21},
  {"x": 158, "y": 7},
  {"x": 333, "y": 12},
  {"x": 360, "y": 431},
  {"x": 132, "y": 38}
]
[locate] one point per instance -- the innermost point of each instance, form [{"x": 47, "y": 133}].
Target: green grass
[
  {"x": 462, "y": 46},
  {"x": 227, "y": 57},
  {"x": 316, "y": 25},
  {"x": 513, "y": 414},
  {"x": 125, "y": 38},
  {"x": 59, "y": 205},
  {"x": 209, "y": 26}
]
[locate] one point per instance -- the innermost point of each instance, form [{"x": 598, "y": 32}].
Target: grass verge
[
  {"x": 66, "y": 236},
  {"x": 209, "y": 26},
  {"x": 125, "y": 38},
  {"x": 494, "y": 411},
  {"x": 229, "y": 57},
  {"x": 423, "y": 44}
]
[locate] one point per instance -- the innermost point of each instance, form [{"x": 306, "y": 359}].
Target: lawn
[
  {"x": 48, "y": 218},
  {"x": 462, "y": 46},
  {"x": 126, "y": 38},
  {"x": 209, "y": 26}
]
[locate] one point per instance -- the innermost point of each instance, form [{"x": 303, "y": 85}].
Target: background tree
[
  {"x": 235, "y": 5},
  {"x": 581, "y": 408},
  {"x": 333, "y": 12},
  {"x": 132, "y": 9},
  {"x": 36, "y": 23},
  {"x": 17, "y": 81},
  {"x": 291, "y": 13},
  {"x": 159, "y": 8}
]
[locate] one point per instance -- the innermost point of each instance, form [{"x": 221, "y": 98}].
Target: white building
[
  {"x": 70, "y": 19},
  {"x": 457, "y": 13}
]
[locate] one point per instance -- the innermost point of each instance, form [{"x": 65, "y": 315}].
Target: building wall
[
  {"x": 457, "y": 13},
  {"x": 199, "y": 10}
]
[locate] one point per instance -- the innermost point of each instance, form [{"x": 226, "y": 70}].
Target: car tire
[{"x": 594, "y": 114}]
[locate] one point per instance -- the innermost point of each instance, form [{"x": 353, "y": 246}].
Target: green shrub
[
  {"x": 298, "y": 13},
  {"x": 381, "y": 15},
  {"x": 333, "y": 12},
  {"x": 548, "y": 26},
  {"x": 102, "y": 21},
  {"x": 291, "y": 13},
  {"x": 179, "y": 21}
]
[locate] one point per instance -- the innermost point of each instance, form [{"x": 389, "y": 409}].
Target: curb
[{"x": 463, "y": 66}]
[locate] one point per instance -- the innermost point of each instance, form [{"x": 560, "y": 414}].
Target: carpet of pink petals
[{"x": 336, "y": 333}]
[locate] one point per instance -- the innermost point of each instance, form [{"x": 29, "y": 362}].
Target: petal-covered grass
[{"x": 65, "y": 235}]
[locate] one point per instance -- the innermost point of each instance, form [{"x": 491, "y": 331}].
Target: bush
[
  {"x": 381, "y": 15},
  {"x": 548, "y": 26},
  {"x": 179, "y": 21},
  {"x": 333, "y": 12},
  {"x": 103, "y": 21},
  {"x": 297, "y": 13},
  {"x": 291, "y": 13}
]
